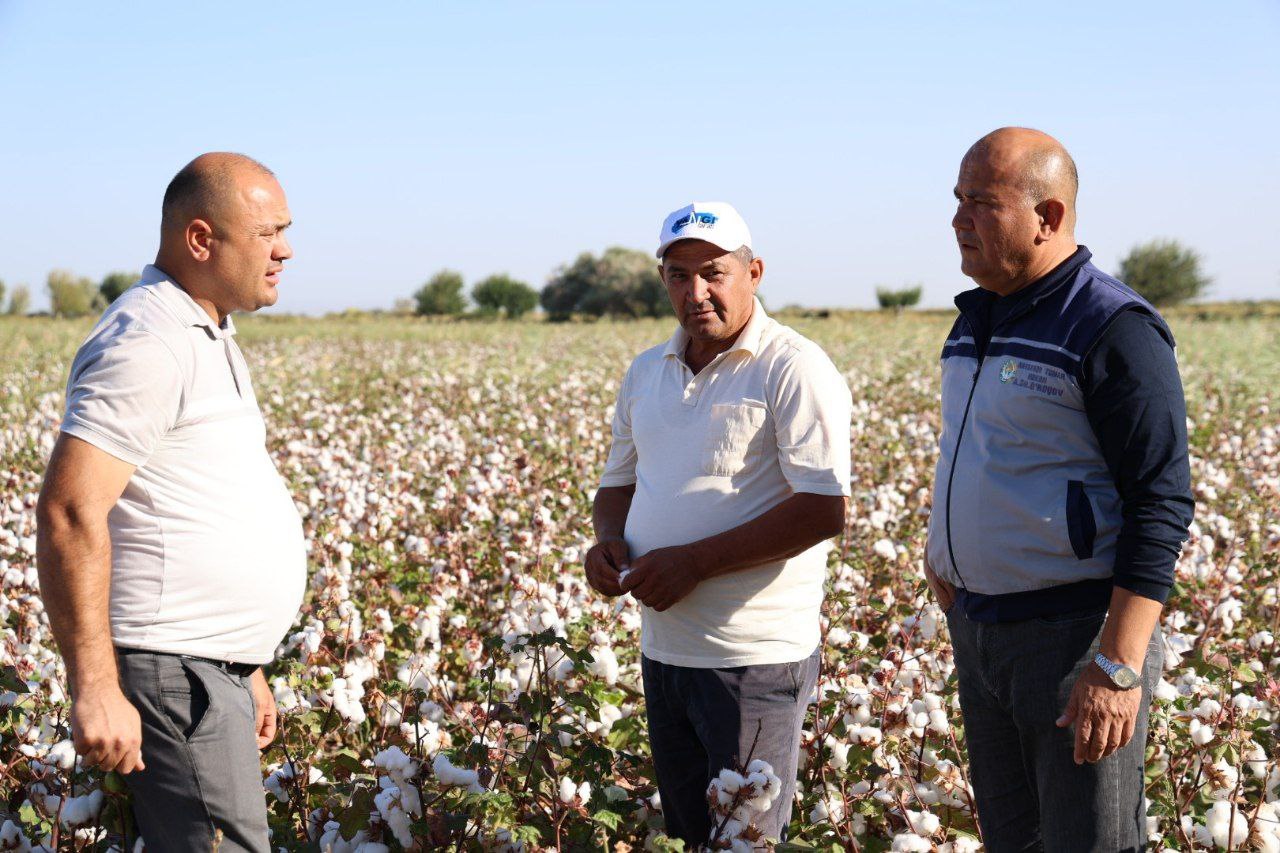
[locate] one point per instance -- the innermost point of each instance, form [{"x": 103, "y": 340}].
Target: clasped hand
[{"x": 658, "y": 579}]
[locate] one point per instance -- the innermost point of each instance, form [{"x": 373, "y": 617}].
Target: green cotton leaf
[
  {"x": 10, "y": 680},
  {"x": 356, "y": 817},
  {"x": 348, "y": 761},
  {"x": 791, "y": 846},
  {"x": 1245, "y": 674},
  {"x": 604, "y": 817}
]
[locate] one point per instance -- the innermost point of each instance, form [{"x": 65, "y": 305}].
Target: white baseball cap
[{"x": 714, "y": 221}]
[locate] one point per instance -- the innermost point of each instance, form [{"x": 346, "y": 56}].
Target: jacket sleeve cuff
[{"x": 1154, "y": 590}]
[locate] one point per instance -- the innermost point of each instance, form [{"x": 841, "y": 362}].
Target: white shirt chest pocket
[{"x": 735, "y": 436}]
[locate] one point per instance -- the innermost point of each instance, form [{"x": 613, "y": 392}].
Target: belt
[{"x": 238, "y": 669}]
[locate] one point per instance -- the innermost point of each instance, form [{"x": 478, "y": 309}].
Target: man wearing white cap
[{"x": 728, "y": 474}]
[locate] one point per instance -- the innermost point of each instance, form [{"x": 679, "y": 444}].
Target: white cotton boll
[
  {"x": 924, "y": 823},
  {"x": 62, "y": 754},
  {"x": 911, "y": 843},
  {"x": 730, "y": 780},
  {"x": 838, "y": 637},
  {"x": 604, "y": 665},
  {"x": 1227, "y": 825},
  {"x": 839, "y": 753},
  {"x": 1256, "y": 759},
  {"x": 1165, "y": 691},
  {"x": 13, "y": 839},
  {"x": 448, "y": 774},
  {"x": 938, "y": 721},
  {"x": 1208, "y": 709},
  {"x": 393, "y": 815},
  {"x": 1200, "y": 732},
  {"x": 884, "y": 549},
  {"x": 584, "y": 791},
  {"x": 964, "y": 844},
  {"x": 78, "y": 811},
  {"x": 568, "y": 790}
]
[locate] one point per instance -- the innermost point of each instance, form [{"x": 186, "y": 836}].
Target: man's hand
[
  {"x": 264, "y": 701},
  {"x": 662, "y": 577},
  {"x": 605, "y": 562},
  {"x": 106, "y": 730},
  {"x": 943, "y": 590},
  {"x": 1103, "y": 714}
]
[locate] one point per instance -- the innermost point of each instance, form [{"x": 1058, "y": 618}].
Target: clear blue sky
[{"x": 491, "y": 136}]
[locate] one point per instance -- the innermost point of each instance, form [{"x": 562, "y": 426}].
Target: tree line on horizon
[{"x": 619, "y": 283}]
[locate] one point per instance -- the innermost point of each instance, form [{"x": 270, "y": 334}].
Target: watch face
[{"x": 1125, "y": 678}]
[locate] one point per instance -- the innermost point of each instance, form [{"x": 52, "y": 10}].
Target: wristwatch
[{"x": 1121, "y": 676}]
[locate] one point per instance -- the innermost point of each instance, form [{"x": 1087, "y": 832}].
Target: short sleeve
[
  {"x": 124, "y": 394},
  {"x": 812, "y": 408},
  {"x": 620, "y": 468}
]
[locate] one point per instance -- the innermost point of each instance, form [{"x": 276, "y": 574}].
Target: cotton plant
[{"x": 444, "y": 481}]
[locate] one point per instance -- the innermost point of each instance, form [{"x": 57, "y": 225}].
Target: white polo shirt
[
  {"x": 764, "y": 420},
  {"x": 207, "y": 552}
]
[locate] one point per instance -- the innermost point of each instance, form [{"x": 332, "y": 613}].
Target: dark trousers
[
  {"x": 704, "y": 720},
  {"x": 1015, "y": 679},
  {"x": 199, "y": 743}
]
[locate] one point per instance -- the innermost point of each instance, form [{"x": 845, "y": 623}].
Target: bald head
[
  {"x": 205, "y": 187},
  {"x": 222, "y": 233},
  {"x": 1033, "y": 160},
  {"x": 1016, "y": 208}
]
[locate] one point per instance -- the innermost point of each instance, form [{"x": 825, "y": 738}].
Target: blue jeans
[
  {"x": 703, "y": 720},
  {"x": 1015, "y": 679}
]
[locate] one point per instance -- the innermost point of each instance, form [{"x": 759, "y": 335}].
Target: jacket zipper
[
  {"x": 964, "y": 420},
  {"x": 951, "y": 475}
]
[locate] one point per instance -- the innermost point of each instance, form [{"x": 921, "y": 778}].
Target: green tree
[
  {"x": 1, "y": 291},
  {"x": 503, "y": 293},
  {"x": 71, "y": 295},
  {"x": 442, "y": 294},
  {"x": 116, "y": 283},
  {"x": 1165, "y": 272},
  {"x": 621, "y": 282},
  {"x": 897, "y": 300},
  {"x": 19, "y": 301}
]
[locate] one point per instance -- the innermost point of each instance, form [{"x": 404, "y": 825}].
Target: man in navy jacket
[{"x": 1061, "y": 501}]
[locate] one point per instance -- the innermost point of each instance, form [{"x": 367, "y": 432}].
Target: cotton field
[{"x": 452, "y": 681}]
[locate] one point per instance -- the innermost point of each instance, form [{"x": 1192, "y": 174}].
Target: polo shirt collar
[
  {"x": 748, "y": 339},
  {"x": 181, "y": 303}
]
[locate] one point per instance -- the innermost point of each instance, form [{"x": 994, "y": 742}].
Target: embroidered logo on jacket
[{"x": 1008, "y": 369}]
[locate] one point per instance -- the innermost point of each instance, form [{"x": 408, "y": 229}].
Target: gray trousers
[
  {"x": 704, "y": 720},
  {"x": 200, "y": 746},
  {"x": 1015, "y": 679}
]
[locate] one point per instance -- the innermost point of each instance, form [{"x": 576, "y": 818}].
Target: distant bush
[
  {"x": 621, "y": 283},
  {"x": 897, "y": 300},
  {"x": 1165, "y": 272},
  {"x": 502, "y": 294},
  {"x": 1, "y": 291},
  {"x": 442, "y": 294},
  {"x": 71, "y": 295},
  {"x": 116, "y": 283},
  {"x": 19, "y": 301}
]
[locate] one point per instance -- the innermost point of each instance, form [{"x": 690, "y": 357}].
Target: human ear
[
  {"x": 1052, "y": 215},
  {"x": 756, "y": 270},
  {"x": 199, "y": 239}
]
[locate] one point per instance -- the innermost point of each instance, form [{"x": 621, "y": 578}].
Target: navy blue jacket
[{"x": 1064, "y": 454}]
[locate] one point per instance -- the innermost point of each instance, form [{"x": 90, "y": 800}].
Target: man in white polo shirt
[
  {"x": 171, "y": 556},
  {"x": 728, "y": 474}
]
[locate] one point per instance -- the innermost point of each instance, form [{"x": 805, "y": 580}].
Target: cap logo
[{"x": 702, "y": 220}]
